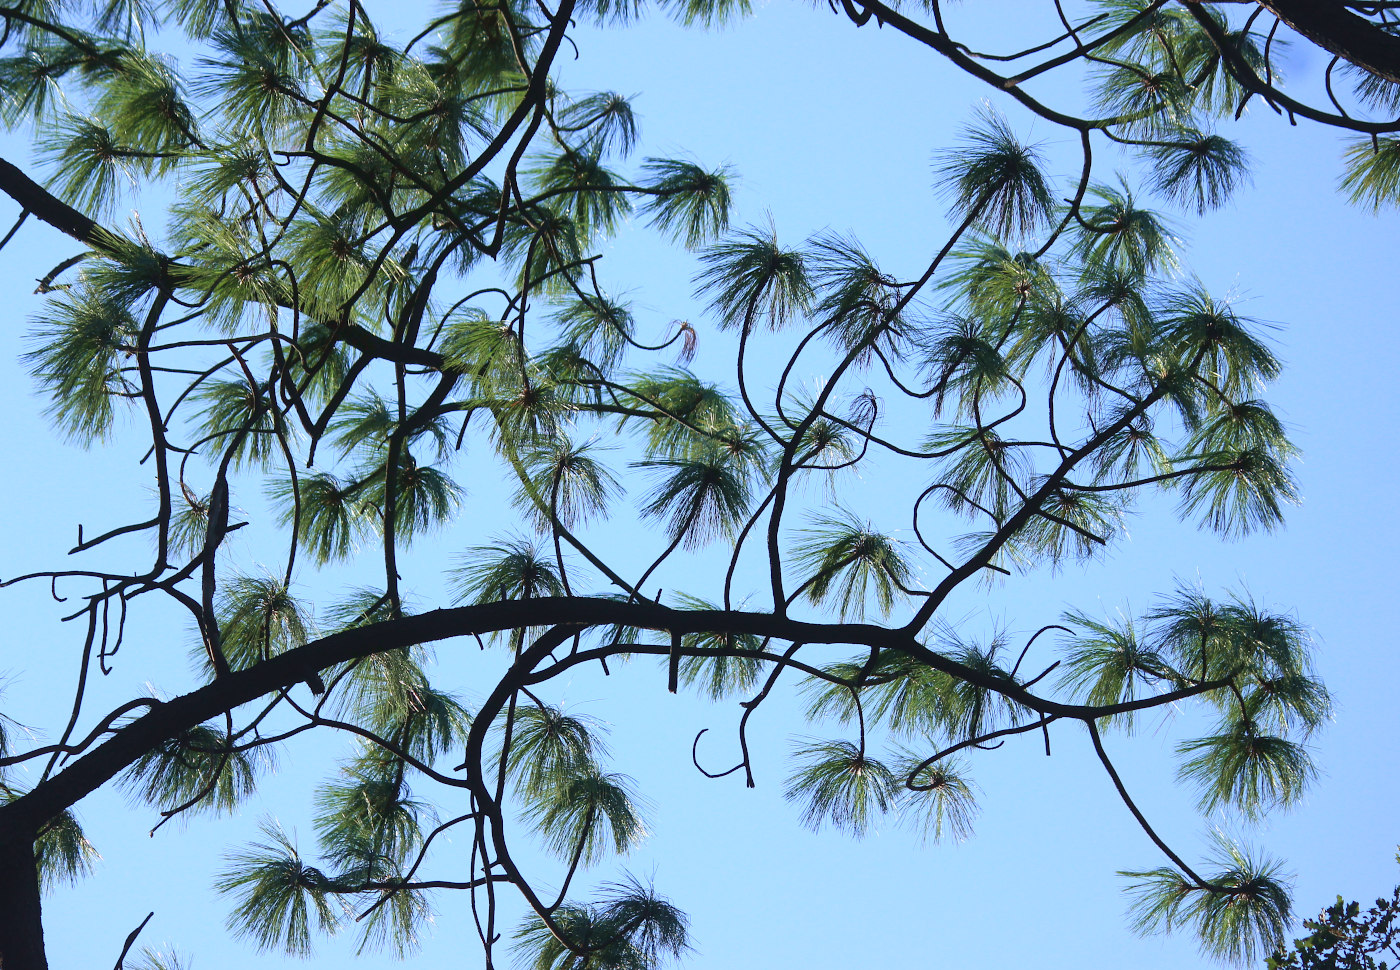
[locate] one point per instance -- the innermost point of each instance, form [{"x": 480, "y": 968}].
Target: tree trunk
[
  {"x": 21, "y": 932},
  {"x": 1333, "y": 27}
]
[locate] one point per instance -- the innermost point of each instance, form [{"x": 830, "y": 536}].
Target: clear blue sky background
[{"x": 831, "y": 127}]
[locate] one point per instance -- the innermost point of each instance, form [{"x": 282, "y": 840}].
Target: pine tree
[{"x": 380, "y": 259}]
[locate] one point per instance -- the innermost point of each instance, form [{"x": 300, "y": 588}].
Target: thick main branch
[
  {"x": 86, "y": 774},
  {"x": 1331, "y": 26}
]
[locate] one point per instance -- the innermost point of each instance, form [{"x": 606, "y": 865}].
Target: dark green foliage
[
  {"x": 545, "y": 246},
  {"x": 1241, "y": 767},
  {"x": 1170, "y": 39},
  {"x": 158, "y": 960},
  {"x": 858, "y": 301},
  {"x": 30, "y": 79},
  {"x": 1290, "y": 703},
  {"x": 973, "y": 709},
  {"x": 547, "y": 745},
  {"x": 61, "y": 852},
  {"x": 1343, "y": 937},
  {"x": 1200, "y": 172},
  {"x": 236, "y": 286},
  {"x": 965, "y": 363},
  {"x": 424, "y": 497},
  {"x": 911, "y": 698},
  {"x": 586, "y": 812},
  {"x": 90, "y": 166},
  {"x": 253, "y": 78},
  {"x": 1256, "y": 761},
  {"x": 689, "y": 203},
  {"x": 1241, "y": 917},
  {"x": 629, "y": 928},
  {"x": 995, "y": 180},
  {"x": 331, "y": 514},
  {"x": 588, "y": 191},
  {"x": 384, "y": 275},
  {"x": 417, "y": 718},
  {"x": 606, "y": 120},
  {"x": 1070, "y": 524},
  {"x": 364, "y": 423},
  {"x": 708, "y": 13},
  {"x": 719, "y": 676},
  {"x": 1118, "y": 234},
  {"x": 840, "y": 784},
  {"x": 391, "y": 687},
  {"x": 579, "y": 487},
  {"x": 129, "y": 271},
  {"x": 1235, "y": 358},
  {"x": 362, "y": 607},
  {"x": 144, "y": 104},
  {"x": 276, "y": 894},
  {"x": 939, "y": 800},
  {"x": 1109, "y": 663},
  {"x": 691, "y": 412},
  {"x": 331, "y": 262},
  {"x": 701, "y": 497},
  {"x": 1164, "y": 79},
  {"x": 749, "y": 278},
  {"x": 399, "y": 918},
  {"x": 369, "y": 814},
  {"x": 598, "y": 328},
  {"x": 259, "y": 618},
  {"x": 1146, "y": 101},
  {"x": 1243, "y": 491},
  {"x": 85, "y": 342},
  {"x": 200, "y": 766},
  {"x": 1373, "y": 172},
  {"x": 847, "y": 562},
  {"x": 240, "y": 418},
  {"x": 1133, "y": 452},
  {"x": 981, "y": 468},
  {"x": 1376, "y": 91},
  {"x": 508, "y": 569}
]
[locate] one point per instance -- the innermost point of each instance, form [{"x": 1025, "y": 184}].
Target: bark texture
[
  {"x": 21, "y": 928},
  {"x": 1334, "y": 28}
]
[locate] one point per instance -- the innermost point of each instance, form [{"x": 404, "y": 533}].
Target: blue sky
[{"x": 830, "y": 127}]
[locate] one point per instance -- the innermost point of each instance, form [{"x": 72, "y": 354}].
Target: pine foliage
[{"x": 380, "y": 327}]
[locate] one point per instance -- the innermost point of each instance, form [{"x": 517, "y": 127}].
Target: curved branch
[{"x": 1331, "y": 26}]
